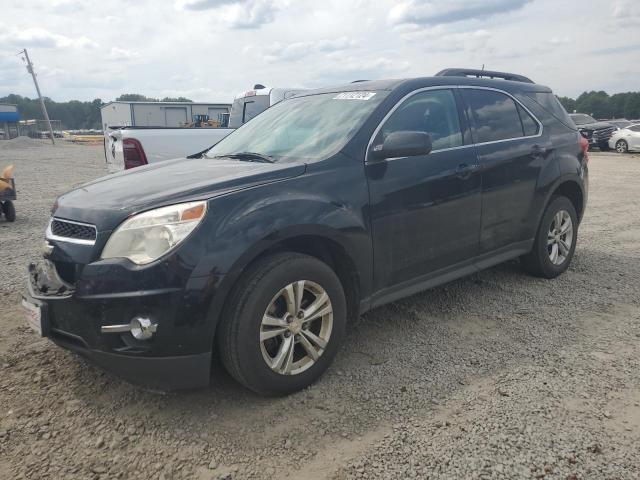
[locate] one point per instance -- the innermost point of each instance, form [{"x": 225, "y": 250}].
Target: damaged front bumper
[{"x": 56, "y": 310}]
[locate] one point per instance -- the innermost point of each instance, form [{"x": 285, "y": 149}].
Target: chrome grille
[
  {"x": 603, "y": 133},
  {"x": 66, "y": 229}
]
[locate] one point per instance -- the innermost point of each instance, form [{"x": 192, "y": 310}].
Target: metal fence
[{"x": 39, "y": 129}]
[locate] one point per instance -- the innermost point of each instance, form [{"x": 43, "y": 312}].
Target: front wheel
[
  {"x": 283, "y": 324},
  {"x": 622, "y": 146},
  {"x": 556, "y": 239}
]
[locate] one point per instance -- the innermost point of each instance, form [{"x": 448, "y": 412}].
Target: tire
[
  {"x": 9, "y": 211},
  {"x": 254, "y": 362},
  {"x": 604, "y": 147},
  {"x": 539, "y": 261},
  {"x": 622, "y": 146}
]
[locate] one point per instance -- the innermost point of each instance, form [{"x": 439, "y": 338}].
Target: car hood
[
  {"x": 107, "y": 201},
  {"x": 594, "y": 126}
]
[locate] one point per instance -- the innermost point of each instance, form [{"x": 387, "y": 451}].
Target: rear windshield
[
  {"x": 582, "y": 119},
  {"x": 310, "y": 127}
]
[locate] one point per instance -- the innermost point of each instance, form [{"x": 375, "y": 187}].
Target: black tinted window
[
  {"x": 635, "y": 128},
  {"x": 550, "y": 103},
  {"x": 433, "y": 112},
  {"x": 495, "y": 114},
  {"x": 529, "y": 125}
]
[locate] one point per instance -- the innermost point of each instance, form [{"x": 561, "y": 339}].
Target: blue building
[{"x": 9, "y": 118}]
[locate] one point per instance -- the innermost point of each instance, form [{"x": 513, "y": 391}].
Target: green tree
[
  {"x": 176, "y": 99},
  {"x": 632, "y": 106},
  {"x": 134, "y": 97},
  {"x": 595, "y": 104},
  {"x": 569, "y": 104}
]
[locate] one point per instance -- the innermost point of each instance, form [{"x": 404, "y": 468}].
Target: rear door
[
  {"x": 512, "y": 149},
  {"x": 424, "y": 210}
]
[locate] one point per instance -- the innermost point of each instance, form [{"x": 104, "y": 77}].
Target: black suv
[
  {"x": 597, "y": 133},
  {"x": 324, "y": 206}
]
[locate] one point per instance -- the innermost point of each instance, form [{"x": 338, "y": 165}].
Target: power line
[{"x": 35, "y": 81}]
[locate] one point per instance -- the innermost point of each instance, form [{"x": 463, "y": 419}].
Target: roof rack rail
[{"x": 468, "y": 72}]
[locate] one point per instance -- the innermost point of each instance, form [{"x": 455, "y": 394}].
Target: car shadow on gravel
[{"x": 432, "y": 342}]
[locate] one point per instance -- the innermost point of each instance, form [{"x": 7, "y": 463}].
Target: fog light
[{"x": 142, "y": 328}]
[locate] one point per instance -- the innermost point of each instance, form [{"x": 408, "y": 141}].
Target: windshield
[
  {"x": 582, "y": 119},
  {"x": 307, "y": 128}
]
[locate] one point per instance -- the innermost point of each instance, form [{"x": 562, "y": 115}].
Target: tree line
[
  {"x": 601, "y": 105},
  {"x": 76, "y": 115}
]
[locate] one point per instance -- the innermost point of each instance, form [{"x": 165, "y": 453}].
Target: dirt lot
[{"x": 499, "y": 375}]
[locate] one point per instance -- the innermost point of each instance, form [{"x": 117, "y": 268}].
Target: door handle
[{"x": 464, "y": 170}]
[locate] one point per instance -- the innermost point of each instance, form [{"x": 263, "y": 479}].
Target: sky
[{"x": 211, "y": 50}]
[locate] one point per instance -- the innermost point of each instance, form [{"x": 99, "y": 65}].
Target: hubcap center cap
[{"x": 296, "y": 326}]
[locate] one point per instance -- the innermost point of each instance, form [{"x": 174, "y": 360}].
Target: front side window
[
  {"x": 635, "y": 128},
  {"x": 433, "y": 112}
]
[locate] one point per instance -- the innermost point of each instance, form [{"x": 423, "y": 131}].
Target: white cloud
[
  {"x": 239, "y": 14},
  {"x": 423, "y": 12},
  {"x": 441, "y": 39},
  {"x": 117, "y": 53},
  {"x": 39, "y": 37},
  {"x": 194, "y": 48},
  {"x": 625, "y": 13},
  {"x": 301, "y": 50}
]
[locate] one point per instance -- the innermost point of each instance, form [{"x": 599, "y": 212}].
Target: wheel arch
[
  {"x": 321, "y": 242},
  {"x": 572, "y": 190}
]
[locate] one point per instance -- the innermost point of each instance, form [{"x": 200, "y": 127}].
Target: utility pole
[{"x": 42, "y": 105}]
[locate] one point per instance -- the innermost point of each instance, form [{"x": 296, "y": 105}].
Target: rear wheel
[
  {"x": 604, "y": 146},
  {"x": 622, "y": 146},
  {"x": 283, "y": 325},
  {"x": 556, "y": 240},
  {"x": 9, "y": 211}
]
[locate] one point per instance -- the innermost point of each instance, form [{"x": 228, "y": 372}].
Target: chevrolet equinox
[{"x": 324, "y": 206}]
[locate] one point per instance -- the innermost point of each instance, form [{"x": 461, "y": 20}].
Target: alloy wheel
[
  {"x": 621, "y": 146},
  {"x": 296, "y": 327},
  {"x": 560, "y": 237}
]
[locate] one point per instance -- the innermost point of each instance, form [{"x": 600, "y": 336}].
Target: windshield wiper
[{"x": 250, "y": 157}]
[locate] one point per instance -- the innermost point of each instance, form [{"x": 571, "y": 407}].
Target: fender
[
  {"x": 251, "y": 227},
  {"x": 568, "y": 177}
]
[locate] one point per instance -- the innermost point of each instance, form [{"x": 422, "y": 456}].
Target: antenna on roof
[{"x": 483, "y": 67}]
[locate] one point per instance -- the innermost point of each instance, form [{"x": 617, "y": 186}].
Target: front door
[{"x": 424, "y": 210}]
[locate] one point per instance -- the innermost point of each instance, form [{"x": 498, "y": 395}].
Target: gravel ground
[{"x": 498, "y": 375}]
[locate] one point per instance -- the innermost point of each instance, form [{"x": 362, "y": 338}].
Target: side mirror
[{"x": 403, "y": 144}]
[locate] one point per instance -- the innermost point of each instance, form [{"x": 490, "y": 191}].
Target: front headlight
[{"x": 147, "y": 236}]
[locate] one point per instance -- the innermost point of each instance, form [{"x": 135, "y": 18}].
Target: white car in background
[{"x": 626, "y": 139}]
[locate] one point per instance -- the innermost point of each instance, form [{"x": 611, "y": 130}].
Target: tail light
[
  {"x": 133, "y": 153},
  {"x": 584, "y": 145}
]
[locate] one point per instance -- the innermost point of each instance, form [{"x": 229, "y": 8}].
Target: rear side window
[
  {"x": 529, "y": 125},
  {"x": 433, "y": 112},
  {"x": 550, "y": 103},
  {"x": 496, "y": 115}
]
